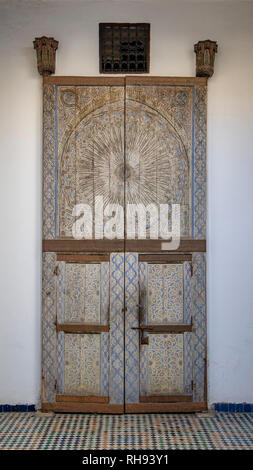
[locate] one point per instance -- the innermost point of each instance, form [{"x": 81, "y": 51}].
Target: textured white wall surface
[{"x": 175, "y": 27}]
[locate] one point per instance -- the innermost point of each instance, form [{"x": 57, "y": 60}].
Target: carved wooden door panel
[
  {"x": 123, "y": 318},
  {"x": 83, "y": 293},
  {"x": 83, "y": 279},
  {"x": 165, "y": 325}
]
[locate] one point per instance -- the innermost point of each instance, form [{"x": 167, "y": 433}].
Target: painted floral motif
[
  {"x": 82, "y": 296},
  {"x": 82, "y": 364},
  {"x": 165, "y": 293},
  {"x": 165, "y": 364}
]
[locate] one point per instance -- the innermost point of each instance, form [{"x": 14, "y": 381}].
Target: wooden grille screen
[{"x": 124, "y": 47}]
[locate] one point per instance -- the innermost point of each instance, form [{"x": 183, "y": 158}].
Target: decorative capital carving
[
  {"x": 205, "y": 55},
  {"x": 45, "y": 48}
]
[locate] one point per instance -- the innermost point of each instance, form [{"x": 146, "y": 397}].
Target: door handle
[{"x": 143, "y": 339}]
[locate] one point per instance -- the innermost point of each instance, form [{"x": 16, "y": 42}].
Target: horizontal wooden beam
[
  {"x": 188, "y": 245},
  {"x": 165, "y": 398},
  {"x": 81, "y": 399},
  {"x": 88, "y": 81},
  {"x": 64, "y": 407},
  {"x": 83, "y": 246},
  {"x": 150, "y": 80},
  {"x": 165, "y": 258},
  {"x": 110, "y": 246},
  {"x": 84, "y": 258},
  {"x": 179, "y": 328},
  {"x": 81, "y": 328},
  {"x": 122, "y": 81},
  {"x": 181, "y": 407}
]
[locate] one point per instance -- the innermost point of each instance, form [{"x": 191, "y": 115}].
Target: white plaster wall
[{"x": 175, "y": 27}]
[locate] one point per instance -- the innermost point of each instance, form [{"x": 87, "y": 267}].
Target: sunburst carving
[{"x": 127, "y": 156}]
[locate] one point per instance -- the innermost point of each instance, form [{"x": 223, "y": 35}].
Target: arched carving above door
[{"x": 126, "y": 151}]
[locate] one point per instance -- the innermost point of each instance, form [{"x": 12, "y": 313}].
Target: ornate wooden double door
[{"x": 124, "y": 315}]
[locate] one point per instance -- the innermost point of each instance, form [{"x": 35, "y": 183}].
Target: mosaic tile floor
[{"x": 176, "y": 431}]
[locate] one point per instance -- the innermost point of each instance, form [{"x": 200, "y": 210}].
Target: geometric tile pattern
[
  {"x": 131, "y": 336},
  {"x": 234, "y": 407},
  {"x": 27, "y": 431}
]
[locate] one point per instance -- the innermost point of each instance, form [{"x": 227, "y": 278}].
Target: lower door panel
[
  {"x": 124, "y": 332},
  {"x": 165, "y": 333},
  {"x": 83, "y": 333}
]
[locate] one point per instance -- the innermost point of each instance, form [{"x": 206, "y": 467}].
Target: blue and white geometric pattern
[
  {"x": 104, "y": 364},
  {"x": 61, "y": 285},
  {"x": 131, "y": 336},
  {"x": 187, "y": 336},
  {"x": 187, "y": 292},
  {"x": 105, "y": 307},
  {"x": 188, "y": 366},
  {"x": 143, "y": 286},
  {"x": 60, "y": 362},
  {"x": 48, "y": 327},
  {"x": 116, "y": 387},
  {"x": 105, "y": 293},
  {"x": 199, "y": 321}
]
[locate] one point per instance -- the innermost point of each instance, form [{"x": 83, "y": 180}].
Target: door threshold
[
  {"x": 107, "y": 408},
  {"x": 75, "y": 407},
  {"x": 179, "y": 407}
]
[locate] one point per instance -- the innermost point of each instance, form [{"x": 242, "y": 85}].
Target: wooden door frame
[{"x": 70, "y": 248}]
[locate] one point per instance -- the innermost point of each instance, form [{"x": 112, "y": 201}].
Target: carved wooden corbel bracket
[
  {"x": 46, "y": 49},
  {"x": 205, "y": 55}
]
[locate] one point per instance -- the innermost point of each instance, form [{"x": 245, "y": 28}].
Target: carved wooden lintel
[
  {"x": 45, "y": 49},
  {"x": 205, "y": 55}
]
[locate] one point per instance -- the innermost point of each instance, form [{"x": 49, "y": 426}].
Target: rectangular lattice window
[{"x": 124, "y": 47}]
